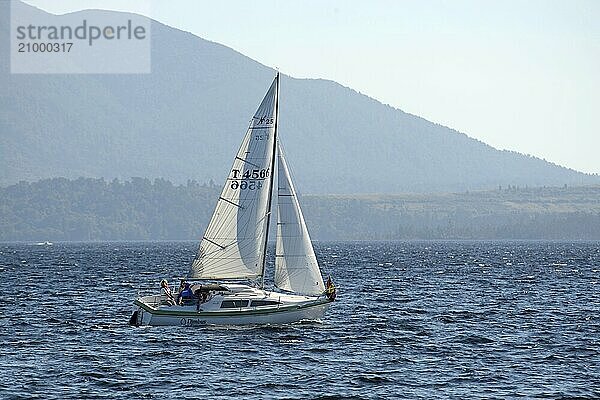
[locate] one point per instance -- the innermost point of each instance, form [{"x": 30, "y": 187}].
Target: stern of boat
[{"x": 141, "y": 315}]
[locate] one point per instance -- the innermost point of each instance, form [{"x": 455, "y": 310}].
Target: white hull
[
  {"x": 274, "y": 317},
  {"x": 289, "y": 308}
]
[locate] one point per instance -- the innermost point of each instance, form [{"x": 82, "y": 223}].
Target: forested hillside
[
  {"x": 94, "y": 209},
  {"x": 554, "y": 213},
  {"x": 139, "y": 209}
]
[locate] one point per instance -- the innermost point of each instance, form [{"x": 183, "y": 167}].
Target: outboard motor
[{"x": 133, "y": 321}]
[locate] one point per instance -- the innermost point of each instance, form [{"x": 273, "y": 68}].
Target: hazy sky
[{"x": 518, "y": 75}]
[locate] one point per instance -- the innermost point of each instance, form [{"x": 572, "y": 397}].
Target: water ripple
[{"x": 428, "y": 320}]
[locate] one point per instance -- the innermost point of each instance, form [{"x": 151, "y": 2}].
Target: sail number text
[
  {"x": 249, "y": 179},
  {"x": 264, "y": 120}
]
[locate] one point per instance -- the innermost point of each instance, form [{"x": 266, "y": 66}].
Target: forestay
[
  {"x": 234, "y": 243},
  {"x": 296, "y": 267}
]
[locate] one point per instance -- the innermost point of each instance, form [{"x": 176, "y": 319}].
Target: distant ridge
[
  {"x": 185, "y": 120},
  {"x": 60, "y": 209}
]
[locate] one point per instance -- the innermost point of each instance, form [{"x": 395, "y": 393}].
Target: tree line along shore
[{"x": 87, "y": 209}]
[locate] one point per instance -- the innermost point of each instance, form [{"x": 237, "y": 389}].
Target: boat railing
[{"x": 154, "y": 300}]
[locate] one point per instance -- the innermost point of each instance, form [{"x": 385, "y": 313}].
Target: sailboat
[{"x": 226, "y": 281}]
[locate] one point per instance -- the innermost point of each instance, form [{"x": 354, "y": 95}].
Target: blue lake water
[{"x": 414, "y": 320}]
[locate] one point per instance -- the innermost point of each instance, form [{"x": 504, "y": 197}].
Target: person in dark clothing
[{"x": 185, "y": 295}]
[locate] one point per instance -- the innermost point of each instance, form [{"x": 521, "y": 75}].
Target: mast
[{"x": 264, "y": 264}]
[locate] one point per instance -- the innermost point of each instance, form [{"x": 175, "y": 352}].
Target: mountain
[{"x": 185, "y": 121}]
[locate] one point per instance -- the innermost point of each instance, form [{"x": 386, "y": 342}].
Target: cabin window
[
  {"x": 259, "y": 303},
  {"x": 234, "y": 303}
]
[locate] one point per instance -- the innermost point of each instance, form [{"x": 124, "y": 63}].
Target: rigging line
[
  {"x": 230, "y": 202},
  {"x": 246, "y": 161},
  {"x": 245, "y": 222},
  {"x": 242, "y": 242},
  {"x": 218, "y": 230},
  {"x": 250, "y": 210},
  {"x": 231, "y": 220},
  {"x": 216, "y": 244},
  {"x": 268, "y": 214},
  {"x": 213, "y": 226},
  {"x": 233, "y": 241},
  {"x": 229, "y": 212}
]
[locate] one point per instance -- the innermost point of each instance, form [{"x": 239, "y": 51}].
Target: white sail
[
  {"x": 234, "y": 243},
  {"x": 296, "y": 267}
]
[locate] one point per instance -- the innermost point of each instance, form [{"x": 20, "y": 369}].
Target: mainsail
[
  {"x": 233, "y": 246},
  {"x": 296, "y": 267}
]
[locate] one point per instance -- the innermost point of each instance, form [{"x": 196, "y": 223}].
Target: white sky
[{"x": 518, "y": 75}]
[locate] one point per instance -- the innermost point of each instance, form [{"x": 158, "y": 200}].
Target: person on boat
[
  {"x": 201, "y": 294},
  {"x": 185, "y": 295},
  {"x": 330, "y": 289},
  {"x": 167, "y": 292},
  {"x": 198, "y": 296},
  {"x": 201, "y": 297}
]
